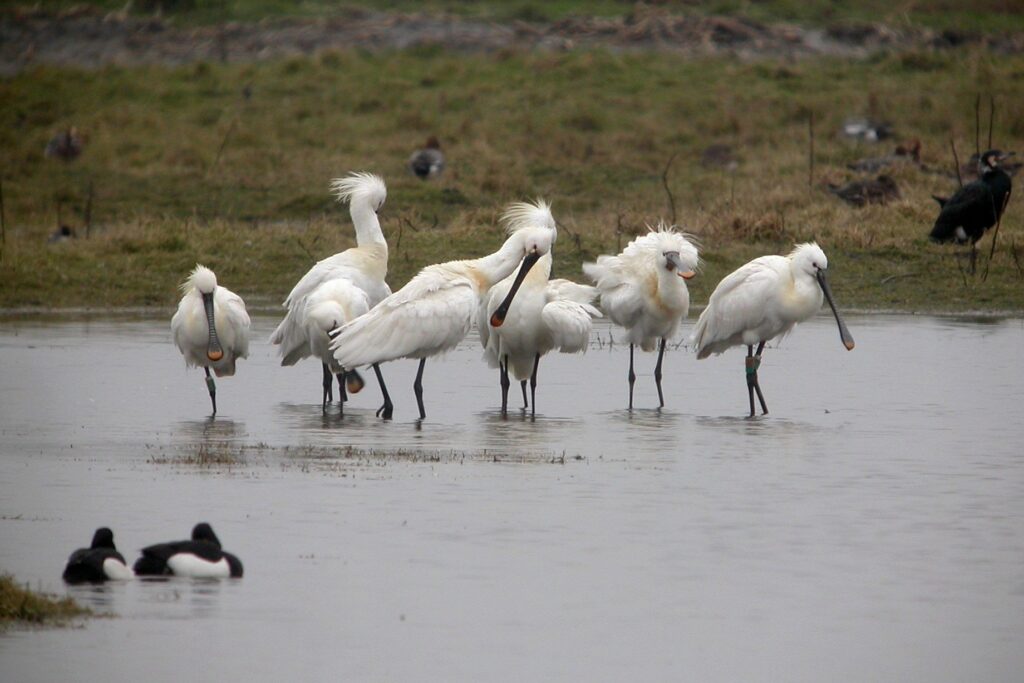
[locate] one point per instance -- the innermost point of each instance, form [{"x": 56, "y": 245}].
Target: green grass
[
  {"x": 19, "y": 605},
  {"x": 591, "y": 131},
  {"x": 977, "y": 15}
]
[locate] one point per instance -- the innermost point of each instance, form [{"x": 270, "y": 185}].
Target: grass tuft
[{"x": 19, "y": 605}]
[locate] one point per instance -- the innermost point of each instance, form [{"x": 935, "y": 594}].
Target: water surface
[{"x": 870, "y": 528}]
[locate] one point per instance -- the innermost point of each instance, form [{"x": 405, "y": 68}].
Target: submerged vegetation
[
  {"x": 19, "y": 605},
  {"x": 228, "y": 165}
]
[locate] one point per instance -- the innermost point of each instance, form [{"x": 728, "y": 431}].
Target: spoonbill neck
[
  {"x": 499, "y": 265},
  {"x": 367, "y": 225}
]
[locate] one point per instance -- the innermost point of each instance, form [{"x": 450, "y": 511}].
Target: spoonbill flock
[{"x": 343, "y": 312}]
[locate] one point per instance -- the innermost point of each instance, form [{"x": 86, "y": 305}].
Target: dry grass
[
  {"x": 591, "y": 131},
  {"x": 19, "y": 605}
]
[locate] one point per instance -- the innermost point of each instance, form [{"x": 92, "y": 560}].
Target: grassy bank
[
  {"x": 978, "y": 15},
  {"x": 229, "y": 164},
  {"x": 19, "y": 605}
]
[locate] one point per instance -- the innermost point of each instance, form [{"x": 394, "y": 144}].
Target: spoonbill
[
  {"x": 200, "y": 557},
  {"x": 99, "y": 562},
  {"x": 549, "y": 314},
  {"x": 435, "y": 310},
  {"x": 762, "y": 300},
  {"x": 643, "y": 289},
  {"x": 338, "y": 289},
  {"x": 211, "y": 327}
]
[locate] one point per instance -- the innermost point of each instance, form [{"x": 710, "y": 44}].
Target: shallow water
[{"x": 870, "y": 528}]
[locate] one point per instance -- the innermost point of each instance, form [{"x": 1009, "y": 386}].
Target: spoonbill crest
[
  {"x": 548, "y": 315},
  {"x": 762, "y": 300},
  {"x": 435, "y": 310},
  {"x": 338, "y": 289},
  {"x": 643, "y": 289},
  {"x": 211, "y": 327}
]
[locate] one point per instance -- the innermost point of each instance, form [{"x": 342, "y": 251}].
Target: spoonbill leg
[
  {"x": 386, "y": 410},
  {"x": 753, "y": 362}
]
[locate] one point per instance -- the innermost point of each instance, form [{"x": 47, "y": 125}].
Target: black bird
[
  {"x": 200, "y": 557},
  {"x": 65, "y": 145},
  {"x": 976, "y": 206},
  {"x": 429, "y": 161},
  {"x": 97, "y": 563},
  {"x": 862, "y": 192}
]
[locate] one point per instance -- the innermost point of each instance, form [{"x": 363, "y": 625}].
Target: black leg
[
  {"x": 417, "y": 388},
  {"x": 533, "y": 386},
  {"x": 657, "y": 373},
  {"x": 751, "y": 366},
  {"x": 212, "y": 388},
  {"x": 522, "y": 385},
  {"x": 757, "y": 383},
  {"x": 632, "y": 377},
  {"x": 328, "y": 387},
  {"x": 386, "y": 410},
  {"x": 342, "y": 396},
  {"x": 504, "y": 381}
]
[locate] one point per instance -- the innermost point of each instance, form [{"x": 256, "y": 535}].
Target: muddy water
[{"x": 869, "y": 529}]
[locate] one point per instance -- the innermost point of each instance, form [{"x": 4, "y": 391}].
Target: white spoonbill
[
  {"x": 548, "y": 315},
  {"x": 762, "y": 300},
  {"x": 435, "y": 310},
  {"x": 211, "y": 327},
  {"x": 643, "y": 289},
  {"x": 339, "y": 288}
]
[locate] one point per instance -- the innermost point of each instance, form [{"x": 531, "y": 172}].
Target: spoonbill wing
[
  {"x": 428, "y": 316},
  {"x": 569, "y": 324}
]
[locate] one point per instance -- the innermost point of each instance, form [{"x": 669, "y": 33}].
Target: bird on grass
[
  {"x": 65, "y": 145},
  {"x": 548, "y": 315},
  {"x": 429, "y": 161},
  {"x": 762, "y": 300},
  {"x": 867, "y": 129},
  {"x": 859, "y": 193},
  {"x": 338, "y": 289},
  {"x": 643, "y": 289},
  {"x": 211, "y": 327},
  {"x": 976, "y": 206},
  {"x": 200, "y": 557},
  {"x": 99, "y": 562},
  {"x": 906, "y": 153},
  {"x": 436, "y": 309}
]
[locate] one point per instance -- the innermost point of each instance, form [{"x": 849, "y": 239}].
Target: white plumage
[
  {"x": 762, "y": 300},
  {"x": 435, "y": 310},
  {"x": 548, "y": 315},
  {"x": 340, "y": 287},
  {"x": 210, "y": 327},
  {"x": 643, "y": 290}
]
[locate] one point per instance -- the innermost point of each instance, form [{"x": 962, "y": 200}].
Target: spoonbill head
[
  {"x": 435, "y": 310},
  {"x": 643, "y": 289},
  {"x": 762, "y": 300},
  {"x": 210, "y": 327}
]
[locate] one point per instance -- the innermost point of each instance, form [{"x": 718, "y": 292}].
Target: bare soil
[{"x": 87, "y": 37}]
